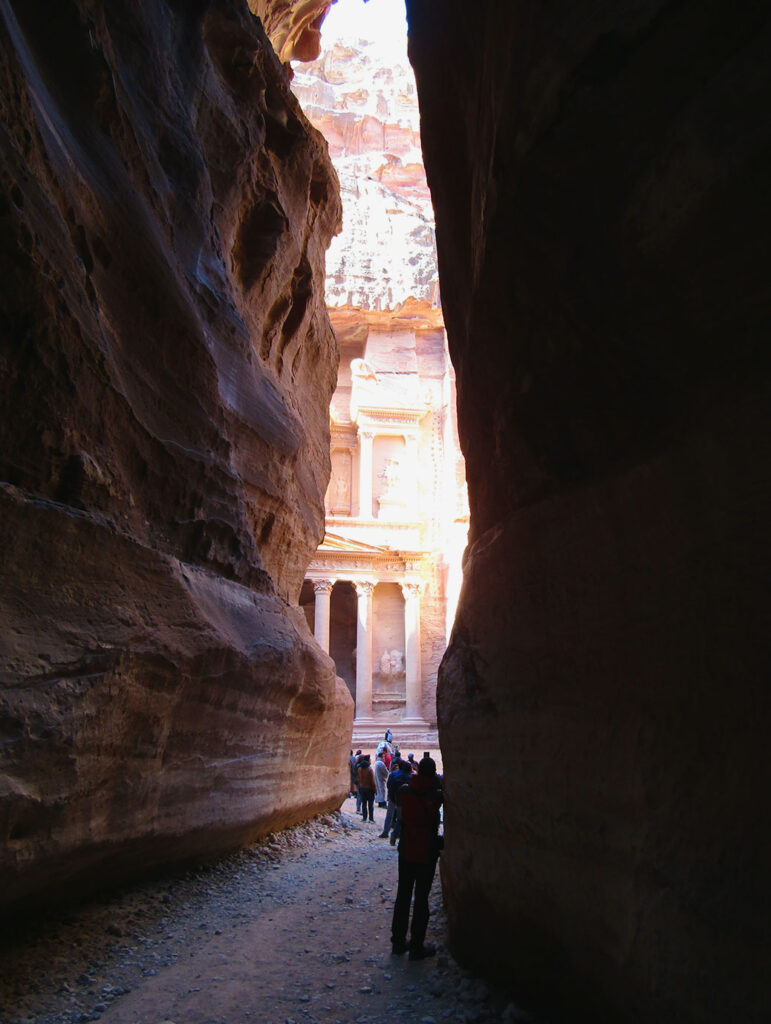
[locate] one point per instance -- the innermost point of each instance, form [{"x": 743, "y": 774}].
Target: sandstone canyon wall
[
  {"x": 167, "y": 365},
  {"x": 361, "y": 95},
  {"x": 600, "y": 180}
]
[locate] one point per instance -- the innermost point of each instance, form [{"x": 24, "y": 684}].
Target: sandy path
[{"x": 297, "y": 929}]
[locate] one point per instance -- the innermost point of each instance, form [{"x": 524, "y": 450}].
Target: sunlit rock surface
[
  {"x": 600, "y": 176},
  {"x": 363, "y": 100},
  {"x": 167, "y": 364},
  {"x": 293, "y": 26}
]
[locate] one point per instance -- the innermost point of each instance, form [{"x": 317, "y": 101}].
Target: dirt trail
[{"x": 295, "y": 929}]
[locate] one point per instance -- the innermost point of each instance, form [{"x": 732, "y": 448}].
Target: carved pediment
[{"x": 336, "y": 542}]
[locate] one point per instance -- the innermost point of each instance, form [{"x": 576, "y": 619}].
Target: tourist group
[{"x": 411, "y": 794}]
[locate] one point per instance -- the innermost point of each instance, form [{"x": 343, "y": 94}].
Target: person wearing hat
[{"x": 420, "y": 801}]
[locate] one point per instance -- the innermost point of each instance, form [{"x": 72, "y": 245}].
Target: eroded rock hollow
[
  {"x": 167, "y": 366},
  {"x": 600, "y": 175}
]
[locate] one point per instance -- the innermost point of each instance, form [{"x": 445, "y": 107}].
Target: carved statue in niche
[
  {"x": 391, "y": 476},
  {"x": 397, "y": 663},
  {"x": 385, "y": 665},
  {"x": 340, "y": 484},
  {"x": 361, "y": 368}
]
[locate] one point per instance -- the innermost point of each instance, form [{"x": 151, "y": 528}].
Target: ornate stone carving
[
  {"x": 323, "y": 586},
  {"x": 385, "y": 665},
  {"x": 391, "y": 476},
  {"x": 339, "y": 500},
  {"x": 365, "y": 588},
  {"x": 361, "y": 368},
  {"x": 397, "y": 663}
]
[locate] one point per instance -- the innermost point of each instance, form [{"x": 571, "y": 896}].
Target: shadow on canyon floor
[{"x": 295, "y": 928}]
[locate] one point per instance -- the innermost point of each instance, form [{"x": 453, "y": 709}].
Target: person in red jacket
[{"x": 419, "y": 801}]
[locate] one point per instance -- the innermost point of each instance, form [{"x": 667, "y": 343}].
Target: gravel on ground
[{"x": 295, "y": 929}]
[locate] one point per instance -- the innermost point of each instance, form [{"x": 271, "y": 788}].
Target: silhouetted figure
[
  {"x": 366, "y": 788},
  {"x": 419, "y": 802}
]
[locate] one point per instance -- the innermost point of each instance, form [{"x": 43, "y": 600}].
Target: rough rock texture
[
  {"x": 167, "y": 364},
  {"x": 293, "y": 26},
  {"x": 600, "y": 178},
  {"x": 362, "y": 97}
]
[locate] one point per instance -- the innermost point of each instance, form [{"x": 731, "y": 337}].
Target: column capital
[
  {"x": 412, "y": 588},
  {"x": 322, "y": 586},
  {"x": 364, "y": 588},
  {"x": 367, "y": 435}
]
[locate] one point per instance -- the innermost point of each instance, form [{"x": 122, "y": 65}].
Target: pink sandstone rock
[
  {"x": 362, "y": 97},
  {"x": 293, "y": 26},
  {"x": 167, "y": 369}
]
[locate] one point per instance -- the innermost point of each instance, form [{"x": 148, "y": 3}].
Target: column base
[
  {"x": 366, "y": 720},
  {"x": 414, "y": 721}
]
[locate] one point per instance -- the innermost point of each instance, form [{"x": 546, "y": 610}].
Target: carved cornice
[
  {"x": 372, "y": 417},
  {"x": 400, "y": 525},
  {"x": 347, "y": 564},
  {"x": 343, "y": 436}
]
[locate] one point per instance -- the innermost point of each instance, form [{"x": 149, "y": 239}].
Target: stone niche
[
  {"x": 388, "y": 647},
  {"x": 600, "y": 179},
  {"x": 167, "y": 366}
]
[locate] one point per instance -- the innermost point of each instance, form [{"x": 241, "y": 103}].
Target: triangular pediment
[{"x": 336, "y": 542}]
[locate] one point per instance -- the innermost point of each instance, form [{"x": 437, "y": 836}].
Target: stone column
[
  {"x": 364, "y": 589},
  {"x": 414, "y": 685},
  {"x": 412, "y": 475},
  {"x": 366, "y": 437},
  {"x": 323, "y": 590}
]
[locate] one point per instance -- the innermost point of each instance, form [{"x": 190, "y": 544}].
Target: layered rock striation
[
  {"x": 167, "y": 366},
  {"x": 599, "y": 174},
  {"x": 293, "y": 26},
  {"x": 382, "y": 266}
]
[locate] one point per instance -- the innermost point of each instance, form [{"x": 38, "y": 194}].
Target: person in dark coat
[
  {"x": 400, "y": 773},
  {"x": 420, "y": 801},
  {"x": 366, "y": 788},
  {"x": 354, "y": 766}
]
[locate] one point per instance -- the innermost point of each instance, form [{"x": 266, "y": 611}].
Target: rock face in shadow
[
  {"x": 167, "y": 365},
  {"x": 599, "y": 174}
]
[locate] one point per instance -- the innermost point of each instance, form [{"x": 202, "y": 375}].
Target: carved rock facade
[
  {"x": 397, "y": 512},
  {"x": 167, "y": 366},
  {"x": 599, "y": 174}
]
